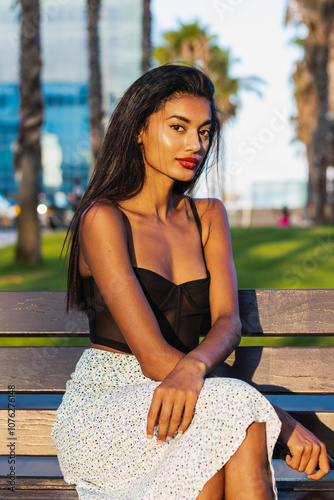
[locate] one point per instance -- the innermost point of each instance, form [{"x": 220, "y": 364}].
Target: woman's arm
[
  {"x": 307, "y": 452},
  {"x": 225, "y": 333},
  {"x": 180, "y": 389}
]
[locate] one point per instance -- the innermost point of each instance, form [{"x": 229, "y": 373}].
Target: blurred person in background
[{"x": 284, "y": 220}]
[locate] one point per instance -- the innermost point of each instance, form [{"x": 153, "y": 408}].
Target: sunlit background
[
  {"x": 267, "y": 158},
  {"x": 263, "y": 167}
]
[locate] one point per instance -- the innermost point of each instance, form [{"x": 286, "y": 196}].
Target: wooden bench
[{"x": 297, "y": 378}]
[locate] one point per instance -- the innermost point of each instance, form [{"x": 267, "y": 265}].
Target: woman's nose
[{"x": 193, "y": 142}]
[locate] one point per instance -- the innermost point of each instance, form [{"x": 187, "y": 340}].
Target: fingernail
[
  {"x": 149, "y": 436},
  {"x": 168, "y": 438},
  {"x": 159, "y": 441},
  {"x": 180, "y": 432}
]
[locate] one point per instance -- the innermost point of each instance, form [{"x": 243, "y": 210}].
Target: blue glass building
[
  {"x": 66, "y": 131},
  {"x": 9, "y": 101}
]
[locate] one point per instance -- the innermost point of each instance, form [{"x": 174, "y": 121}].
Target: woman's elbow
[
  {"x": 149, "y": 371},
  {"x": 146, "y": 366},
  {"x": 150, "y": 366},
  {"x": 153, "y": 372},
  {"x": 158, "y": 363}
]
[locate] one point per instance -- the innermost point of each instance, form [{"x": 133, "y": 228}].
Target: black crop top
[{"x": 182, "y": 311}]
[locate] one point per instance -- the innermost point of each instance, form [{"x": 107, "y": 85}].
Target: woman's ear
[{"x": 140, "y": 137}]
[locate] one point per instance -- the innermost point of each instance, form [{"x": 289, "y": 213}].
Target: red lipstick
[{"x": 188, "y": 162}]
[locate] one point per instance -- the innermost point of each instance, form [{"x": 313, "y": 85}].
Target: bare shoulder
[
  {"x": 209, "y": 208},
  {"x": 102, "y": 235},
  {"x": 102, "y": 216},
  {"x": 212, "y": 213},
  {"x": 100, "y": 211}
]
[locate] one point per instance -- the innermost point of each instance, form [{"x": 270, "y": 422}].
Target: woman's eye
[
  {"x": 178, "y": 128},
  {"x": 205, "y": 133}
]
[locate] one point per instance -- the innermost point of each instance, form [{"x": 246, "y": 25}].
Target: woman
[{"x": 142, "y": 418}]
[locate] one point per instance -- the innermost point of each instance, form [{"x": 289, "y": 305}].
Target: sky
[{"x": 259, "y": 143}]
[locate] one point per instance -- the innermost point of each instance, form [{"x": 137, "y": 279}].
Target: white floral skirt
[{"x": 100, "y": 432}]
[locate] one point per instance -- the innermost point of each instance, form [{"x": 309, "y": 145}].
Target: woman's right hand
[
  {"x": 306, "y": 451},
  {"x": 175, "y": 398}
]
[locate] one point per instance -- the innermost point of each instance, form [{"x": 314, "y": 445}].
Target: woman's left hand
[
  {"x": 174, "y": 400},
  {"x": 307, "y": 452}
]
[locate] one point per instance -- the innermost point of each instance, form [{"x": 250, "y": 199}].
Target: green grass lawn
[
  {"x": 44, "y": 276},
  {"x": 265, "y": 257}
]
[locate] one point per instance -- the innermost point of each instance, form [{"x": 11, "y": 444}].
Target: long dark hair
[{"x": 119, "y": 171}]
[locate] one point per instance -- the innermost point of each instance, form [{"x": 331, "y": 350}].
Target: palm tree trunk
[
  {"x": 330, "y": 69},
  {"x": 146, "y": 37},
  {"x": 95, "y": 85},
  {"x": 320, "y": 145},
  {"x": 28, "y": 152},
  {"x": 318, "y": 16}
]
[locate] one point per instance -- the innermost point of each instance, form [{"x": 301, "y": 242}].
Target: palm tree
[
  {"x": 312, "y": 93},
  {"x": 146, "y": 36},
  {"x": 306, "y": 119},
  {"x": 192, "y": 44},
  {"x": 95, "y": 85},
  {"x": 28, "y": 148}
]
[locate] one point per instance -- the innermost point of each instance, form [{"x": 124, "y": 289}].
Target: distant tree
[
  {"x": 191, "y": 43},
  {"x": 314, "y": 93},
  {"x": 28, "y": 147},
  {"x": 146, "y": 36},
  {"x": 95, "y": 84}
]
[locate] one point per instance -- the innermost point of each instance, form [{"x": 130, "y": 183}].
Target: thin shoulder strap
[
  {"x": 196, "y": 216},
  {"x": 199, "y": 226}
]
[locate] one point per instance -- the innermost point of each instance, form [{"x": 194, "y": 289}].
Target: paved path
[{"x": 7, "y": 236}]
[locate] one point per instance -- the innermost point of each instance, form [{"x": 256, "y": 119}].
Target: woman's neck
[{"x": 155, "y": 200}]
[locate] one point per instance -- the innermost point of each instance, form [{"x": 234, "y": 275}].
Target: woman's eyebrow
[{"x": 179, "y": 117}]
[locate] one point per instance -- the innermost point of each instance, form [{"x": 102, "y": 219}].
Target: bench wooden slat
[
  {"x": 34, "y": 483},
  {"x": 31, "y": 488},
  {"x": 38, "y": 312},
  {"x": 32, "y": 432},
  {"x": 39, "y": 488},
  {"x": 296, "y": 312},
  {"x": 307, "y": 485},
  {"x": 39, "y": 495},
  {"x": 277, "y": 369},
  {"x": 272, "y": 312},
  {"x": 45, "y": 483},
  {"x": 283, "y": 369},
  {"x": 319, "y": 495},
  {"x": 72, "y": 495},
  {"x": 37, "y": 369},
  {"x": 33, "y": 427}
]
